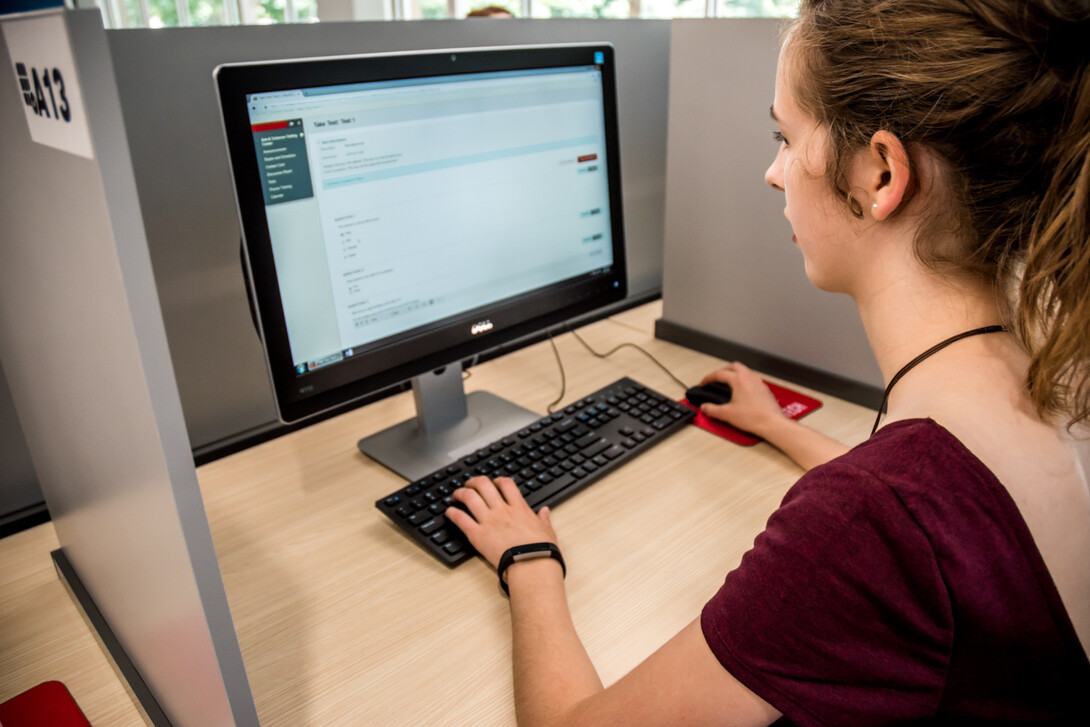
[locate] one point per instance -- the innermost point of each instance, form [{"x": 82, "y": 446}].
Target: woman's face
[{"x": 821, "y": 223}]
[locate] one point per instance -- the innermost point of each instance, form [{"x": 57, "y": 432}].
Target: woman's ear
[{"x": 885, "y": 175}]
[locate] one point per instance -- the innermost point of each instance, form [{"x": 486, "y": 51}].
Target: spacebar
[{"x": 537, "y": 497}]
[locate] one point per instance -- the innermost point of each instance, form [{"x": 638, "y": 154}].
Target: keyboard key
[
  {"x": 600, "y": 446},
  {"x": 589, "y": 439},
  {"x": 432, "y": 525},
  {"x": 558, "y": 485}
]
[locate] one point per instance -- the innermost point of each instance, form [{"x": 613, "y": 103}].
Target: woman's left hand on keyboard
[{"x": 498, "y": 517}]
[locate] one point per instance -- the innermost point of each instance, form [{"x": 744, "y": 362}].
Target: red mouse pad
[
  {"x": 49, "y": 703},
  {"x": 794, "y": 405}
]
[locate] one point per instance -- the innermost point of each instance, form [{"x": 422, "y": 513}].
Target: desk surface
[{"x": 344, "y": 621}]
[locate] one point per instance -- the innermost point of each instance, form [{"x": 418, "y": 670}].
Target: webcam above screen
[{"x": 404, "y": 212}]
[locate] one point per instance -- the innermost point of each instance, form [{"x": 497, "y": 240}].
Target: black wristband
[{"x": 530, "y": 551}]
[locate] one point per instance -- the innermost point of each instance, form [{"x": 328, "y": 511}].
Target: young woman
[{"x": 935, "y": 164}]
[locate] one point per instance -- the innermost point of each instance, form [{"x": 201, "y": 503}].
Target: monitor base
[{"x": 409, "y": 450}]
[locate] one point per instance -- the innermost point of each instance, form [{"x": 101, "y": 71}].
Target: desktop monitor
[{"x": 402, "y": 213}]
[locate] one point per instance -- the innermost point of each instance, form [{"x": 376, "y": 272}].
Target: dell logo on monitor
[{"x": 480, "y": 327}]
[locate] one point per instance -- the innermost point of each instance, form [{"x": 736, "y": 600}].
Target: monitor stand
[{"x": 448, "y": 425}]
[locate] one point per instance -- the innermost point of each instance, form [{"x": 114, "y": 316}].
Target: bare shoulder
[
  {"x": 978, "y": 395},
  {"x": 1043, "y": 467}
]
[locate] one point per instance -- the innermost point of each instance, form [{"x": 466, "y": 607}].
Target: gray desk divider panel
[
  {"x": 18, "y": 484},
  {"x": 733, "y": 281},
  {"x": 168, "y": 101},
  {"x": 86, "y": 357}
]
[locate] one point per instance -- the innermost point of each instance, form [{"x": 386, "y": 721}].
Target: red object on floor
[
  {"x": 794, "y": 405},
  {"x": 49, "y": 703}
]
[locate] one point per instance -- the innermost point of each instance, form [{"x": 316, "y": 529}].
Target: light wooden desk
[{"x": 343, "y": 621}]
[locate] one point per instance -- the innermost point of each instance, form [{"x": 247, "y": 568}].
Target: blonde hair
[{"x": 999, "y": 92}]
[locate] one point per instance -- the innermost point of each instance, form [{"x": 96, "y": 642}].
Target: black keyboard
[{"x": 550, "y": 460}]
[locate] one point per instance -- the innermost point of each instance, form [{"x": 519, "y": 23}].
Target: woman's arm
[
  {"x": 754, "y": 409},
  {"x": 555, "y": 682}
]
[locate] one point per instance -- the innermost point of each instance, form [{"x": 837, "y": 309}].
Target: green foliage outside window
[
  {"x": 164, "y": 13},
  {"x": 758, "y": 8},
  {"x": 580, "y": 8},
  {"x": 433, "y": 9}
]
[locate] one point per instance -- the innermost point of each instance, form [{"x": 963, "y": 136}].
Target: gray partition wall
[
  {"x": 172, "y": 120},
  {"x": 85, "y": 354},
  {"x": 734, "y": 283},
  {"x": 20, "y": 496}
]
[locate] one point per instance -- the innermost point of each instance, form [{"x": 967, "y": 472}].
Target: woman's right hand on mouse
[{"x": 752, "y": 407}]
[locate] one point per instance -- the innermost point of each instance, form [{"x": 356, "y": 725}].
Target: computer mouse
[{"x": 715, "y": 392}]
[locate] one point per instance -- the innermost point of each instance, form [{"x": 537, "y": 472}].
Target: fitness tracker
[{"x": 531, "y": 551}]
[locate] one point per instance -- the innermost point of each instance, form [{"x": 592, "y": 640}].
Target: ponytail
[{"x": 1053, "y": 314}]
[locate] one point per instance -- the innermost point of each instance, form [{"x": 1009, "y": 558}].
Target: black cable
[
  {"x": 563, "y": 379},
  {"x": 669, "y": 373},
  {"x": 933, "y": 350}
]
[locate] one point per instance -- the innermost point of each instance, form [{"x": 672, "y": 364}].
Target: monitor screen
[{"x": 402, "y": 212}]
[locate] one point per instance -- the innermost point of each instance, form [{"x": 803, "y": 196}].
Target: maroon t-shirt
[{"x": 899, "y": 583}]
